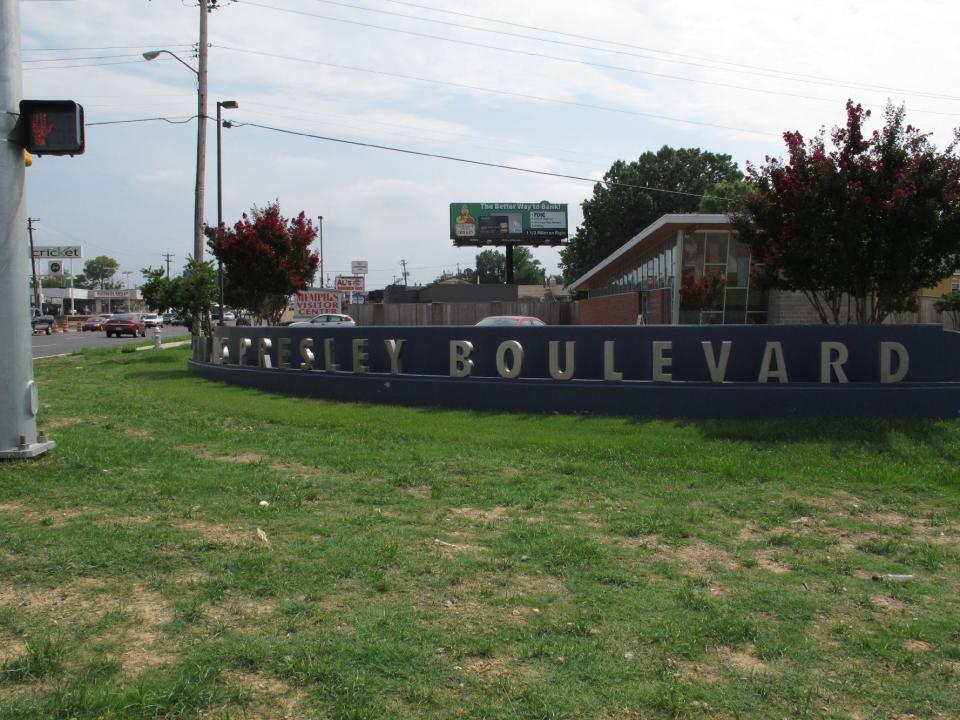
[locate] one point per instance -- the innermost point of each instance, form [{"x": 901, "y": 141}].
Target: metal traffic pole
[{"x": 18, "y": 391}]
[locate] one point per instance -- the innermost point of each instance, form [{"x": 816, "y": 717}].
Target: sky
[{"x": 552, "y": 86}]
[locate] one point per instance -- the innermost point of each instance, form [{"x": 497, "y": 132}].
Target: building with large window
[{"x": 683, "y": 269}]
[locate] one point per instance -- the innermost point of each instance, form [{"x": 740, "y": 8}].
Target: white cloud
[{"x": 382, "y": 206}]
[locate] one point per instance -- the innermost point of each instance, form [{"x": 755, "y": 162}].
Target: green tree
[
  {"x": 667, "y": 181},
  {"x": 526, "y": 268},
  {"x": 157, "y": 289},
  {"x": 873, "y": 219},
  {"x": 98, "y": 271},
  {"x": 193, "y": 293},
  {"x": 725, "y": 197},
  {"x": 490, "y": 266},
  {"x": 266, "y": 259},
  {"x": 950, "y": 303}
]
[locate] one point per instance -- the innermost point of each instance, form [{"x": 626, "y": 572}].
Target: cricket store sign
[
  {"x": 498, "y": 223},
  {"x": 58, "y": 252},
  {"x": 688, "y": 371},
  {"x": 316, "y": 302}
]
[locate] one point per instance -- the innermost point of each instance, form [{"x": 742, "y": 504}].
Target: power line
[
  {"x": 507, "y": 93},
  {"x": 82, "y": 57},
  {"x": 172, "y": 121},
  {"x": 556, "y": 58},
  {"x": 451, "y": 138},
  {"x": 451, "y": 158},
  {"x": 109, "y": 47},
  {"x": 87, "y": 65},
  {"x": 801, "y": 77}
]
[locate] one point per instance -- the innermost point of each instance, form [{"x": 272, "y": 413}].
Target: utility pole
[
  {"x": 322, "y": 283},
  {"x": 37, "y": 293},
  {"x": 168, "y": 256},
  {"x": 126, "y": 278},
  {"x": 404, "y": 263},
  {"x": 201, "y": 132},
  {"x": 19, "y": 401}
]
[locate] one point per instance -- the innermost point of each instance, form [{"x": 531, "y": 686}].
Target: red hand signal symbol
[{"x": 40, "y": 128}]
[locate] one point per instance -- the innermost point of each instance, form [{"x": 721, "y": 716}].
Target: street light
[
  {"x": 201, "y": 145},
  {"x": 229, "y": 105}
]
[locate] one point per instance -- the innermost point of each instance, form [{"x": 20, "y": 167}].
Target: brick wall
[{"x": 609, "y": 310}]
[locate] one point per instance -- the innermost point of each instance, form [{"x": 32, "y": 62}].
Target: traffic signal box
[{"x": 52, "y": 127}]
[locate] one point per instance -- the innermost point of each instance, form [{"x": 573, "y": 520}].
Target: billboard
[
  {"x": 358, "y": 267},
  {"x": 350, "y": 284},
  {"x": 314, "y": 302},
  {"x": 542, "y": 223}
]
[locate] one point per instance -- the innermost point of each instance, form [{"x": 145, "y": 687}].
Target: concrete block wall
[
  {"x": 457, "y": 313},
  {"x": 790, "y": 308}
]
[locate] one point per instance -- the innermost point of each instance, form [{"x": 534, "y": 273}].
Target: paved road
[{"x": 69, "y": 342}]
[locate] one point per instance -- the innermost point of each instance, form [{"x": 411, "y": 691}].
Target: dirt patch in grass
[
  {"x": 767, "y": 562},
  {"x": 492, "y": 667},
  {"x": 218, "y": 534},
  {"x": 136, "y": 433},
  {"x": 742, "y": 660},
  {"x": 239, "y": 610},
  {"x": 204, "y": 453},
  {"x": 450, "y": 549},
  {"x": 303, "y": 471},
  {"x": 698, "y": 557},
  {"x": 270, "y": 699},
  {"x": 49, "y": 517},
  {"x": 10, "y": 649},
  {"x": 887, "y": 604},
  {"x": 480, "y": 516},
  {"x": 697, "y": 672},
  {"x": 916, "y": 645},
  {"x": 588, "y": 519},
  {"x": 59, "y": 603},
  {"x": 54, "y": 423}
]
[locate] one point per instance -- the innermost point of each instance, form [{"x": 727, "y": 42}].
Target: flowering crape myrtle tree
[
  {"x": 873, "y": 220},
  {"x": 266, "y": 259}
]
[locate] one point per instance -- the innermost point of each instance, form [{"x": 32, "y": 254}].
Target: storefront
[{"x": 683, "y": 269}]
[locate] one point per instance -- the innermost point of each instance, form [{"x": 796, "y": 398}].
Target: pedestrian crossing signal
[{"x": 52, "y": 127}]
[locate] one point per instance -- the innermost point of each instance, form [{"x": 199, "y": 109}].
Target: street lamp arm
[{"x": 154, "y": 54}]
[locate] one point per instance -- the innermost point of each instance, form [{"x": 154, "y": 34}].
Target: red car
[
  {"x": 96, "y": 323},
  {"x": 126, "y": 324},
  {"x": 511, "y": 320}
]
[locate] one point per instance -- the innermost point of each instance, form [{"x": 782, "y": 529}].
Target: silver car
[
  {"x": 152, "y": 320},
  {"x": 326, "y": 320}
]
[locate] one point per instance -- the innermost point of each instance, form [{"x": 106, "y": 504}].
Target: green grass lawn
[{"x": 437, "y": 564}]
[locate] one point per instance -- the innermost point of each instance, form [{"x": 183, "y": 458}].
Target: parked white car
[
  {"x": 326, "y": 320},
  {"x": 152, "y": 320}
]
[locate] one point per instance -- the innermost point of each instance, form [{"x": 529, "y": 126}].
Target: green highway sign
[{"x": 542, "y": 223}]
